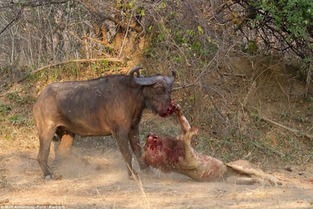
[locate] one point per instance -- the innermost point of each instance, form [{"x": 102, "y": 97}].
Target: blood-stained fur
[{"x": 176, "y": 154}]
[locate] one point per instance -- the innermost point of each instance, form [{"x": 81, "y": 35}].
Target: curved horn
[
  {"x": 135, "y": 70},
  {"x": 152, "y": 80},
  {"x": 146, "y": 81}
]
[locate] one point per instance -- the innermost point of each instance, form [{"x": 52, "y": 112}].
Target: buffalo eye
[{"x": 160, "y": 90}]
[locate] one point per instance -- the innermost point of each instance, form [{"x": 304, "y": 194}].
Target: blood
[
  {"x": 170, "y": 109},
  {"x": 163, "y": 152}
]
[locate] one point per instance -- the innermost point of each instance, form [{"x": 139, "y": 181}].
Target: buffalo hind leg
[{"x": 44, "y": 150}]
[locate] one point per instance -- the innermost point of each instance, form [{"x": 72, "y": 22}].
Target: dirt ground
[{"x": 103, "y": 183}]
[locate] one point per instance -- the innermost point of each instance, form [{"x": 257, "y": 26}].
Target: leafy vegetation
[
  {"x": 280, "y": 25},
  {"x": 277, "y": 26}
]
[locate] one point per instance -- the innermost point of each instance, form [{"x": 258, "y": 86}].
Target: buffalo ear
[
  {"x": 173, "y": 74},
  {"x": 173, "y": 77}
]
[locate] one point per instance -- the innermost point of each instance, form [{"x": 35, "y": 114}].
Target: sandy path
[{"x": 103, "y": 183}]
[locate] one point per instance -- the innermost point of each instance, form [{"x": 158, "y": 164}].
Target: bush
[{"x": 282, "y": 25}]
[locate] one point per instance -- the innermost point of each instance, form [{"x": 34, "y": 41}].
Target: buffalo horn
[
  {"x": 135, "y": 70},
  {"x": 152, "y": 80}
]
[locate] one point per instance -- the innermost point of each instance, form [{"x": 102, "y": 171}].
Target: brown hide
[{"x": 109, "y": 105}]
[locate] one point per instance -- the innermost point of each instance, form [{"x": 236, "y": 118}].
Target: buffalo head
[{"x": 157, "y": 91}]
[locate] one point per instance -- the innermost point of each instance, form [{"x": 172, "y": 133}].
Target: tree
[{"x": 36, "y": 32}]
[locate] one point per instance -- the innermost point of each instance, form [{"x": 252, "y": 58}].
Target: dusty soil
[{"x": 103, "y": 183}]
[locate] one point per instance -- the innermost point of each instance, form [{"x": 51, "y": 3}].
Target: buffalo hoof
[
  {"x": 146, "y": 170},
  {"x": 143, "y": 166},
  {"x": 49, "y": 177},
  {"x": 53, "y": 177}
]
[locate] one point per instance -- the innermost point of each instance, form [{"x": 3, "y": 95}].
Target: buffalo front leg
[
  {"x": 134, "y": 143},
  {"x": 123, "y": 143}
]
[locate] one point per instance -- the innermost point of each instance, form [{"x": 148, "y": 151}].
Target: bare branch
[
  {"x": 297, "y": 132},
  {"x": 12, "y": 21}
]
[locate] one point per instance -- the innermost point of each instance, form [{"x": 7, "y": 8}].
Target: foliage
[
  {"x": 4, "y": 110},
  {"x": 282, "y": 25}
]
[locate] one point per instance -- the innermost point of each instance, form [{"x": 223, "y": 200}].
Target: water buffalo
[{"x": 109, "y": 105}]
